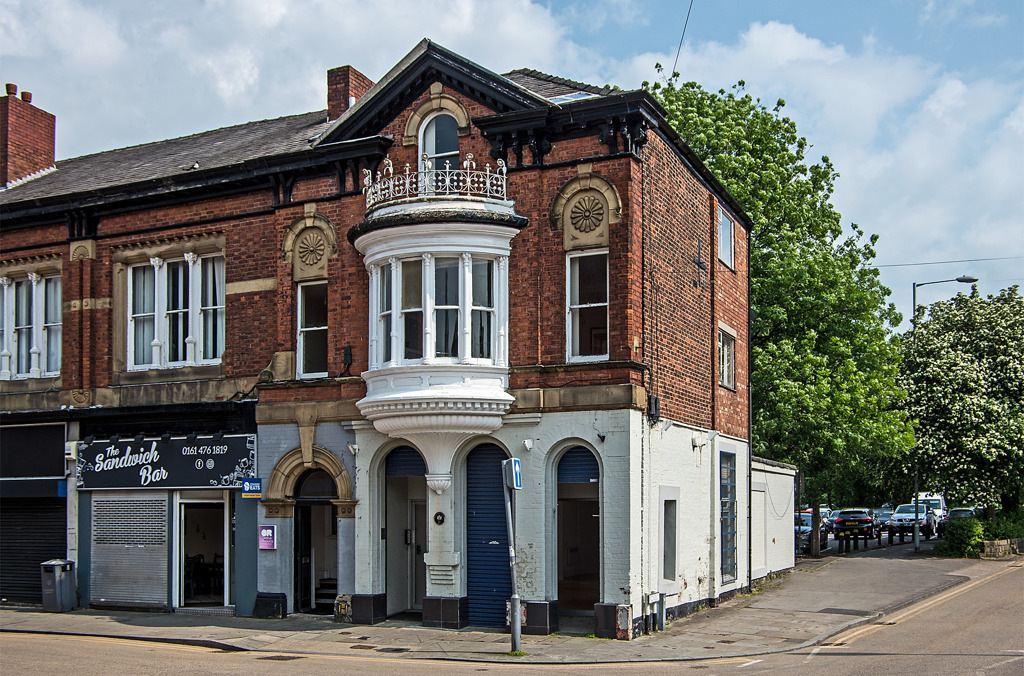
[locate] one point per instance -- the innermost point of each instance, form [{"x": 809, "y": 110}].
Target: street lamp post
[{"x": 963, "y": 279}]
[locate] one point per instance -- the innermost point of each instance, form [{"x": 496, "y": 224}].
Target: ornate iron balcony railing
[{"x": 429, "y": 182}]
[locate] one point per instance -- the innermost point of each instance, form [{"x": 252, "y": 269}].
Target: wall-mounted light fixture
[
  {"x": 353, "y": 449},
  {"x": 528, "y": 444}
]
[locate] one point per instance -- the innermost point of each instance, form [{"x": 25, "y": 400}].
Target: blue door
[{"x": 488, "y": 573}]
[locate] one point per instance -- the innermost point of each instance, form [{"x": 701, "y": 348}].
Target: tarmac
[{"x": 815, "y": 600}]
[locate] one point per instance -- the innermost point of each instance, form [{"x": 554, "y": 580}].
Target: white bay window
[
  {"x": 176, "y": 312},
  {"x": 447, "y": 310}
]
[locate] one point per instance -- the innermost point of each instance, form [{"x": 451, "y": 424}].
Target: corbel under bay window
[
  {"x": 176, "y": 312},
  {"x": 439, "y": 309},
  {"x": 30, "y": 327}
]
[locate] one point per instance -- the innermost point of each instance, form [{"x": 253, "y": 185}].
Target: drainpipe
[{"x": 751, "y": 316}]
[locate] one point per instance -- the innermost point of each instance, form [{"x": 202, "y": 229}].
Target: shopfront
[{"x": 161, "y": 516}]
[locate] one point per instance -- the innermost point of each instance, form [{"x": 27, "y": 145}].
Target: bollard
[{"x": 856, "y": 542}]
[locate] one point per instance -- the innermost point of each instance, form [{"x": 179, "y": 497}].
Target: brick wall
[{"x": 27, "y": 137}]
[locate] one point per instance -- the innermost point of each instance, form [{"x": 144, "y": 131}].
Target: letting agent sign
[{"x": 176, "y": 463}]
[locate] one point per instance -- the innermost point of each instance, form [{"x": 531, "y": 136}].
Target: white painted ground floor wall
[{"x": 642, "y": 467}]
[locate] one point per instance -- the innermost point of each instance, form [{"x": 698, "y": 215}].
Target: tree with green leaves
[
  {"x": 963, "y": 368},
  {"x": 825, "y": 361}
]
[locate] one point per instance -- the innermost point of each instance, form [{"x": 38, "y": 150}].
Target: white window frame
[
  {"x": 431, "y": 155},
  {"x": 198, "y": 312},
  {"x": 34, "y": 327},
  {"x": 726, "y": 357},
  {"x": 571, "y": 309},
  {"x": 388, "y": 349},
  {"x": 303, "y": 331},
  {"x": 726, "y": 232}
]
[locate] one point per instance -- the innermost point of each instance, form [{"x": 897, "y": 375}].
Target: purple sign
[{"x": 268, "y": 537}]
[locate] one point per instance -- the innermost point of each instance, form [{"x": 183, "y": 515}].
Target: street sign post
[{"x": 513, "y": 473}]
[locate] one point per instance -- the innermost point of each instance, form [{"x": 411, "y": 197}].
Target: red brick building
[{"x": 368, "y": 309}]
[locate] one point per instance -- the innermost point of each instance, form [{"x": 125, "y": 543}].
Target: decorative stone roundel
[
  {"x": 583, "y": 210},
  {"x": 587, "y": 213},
  {"x": 312, "y": 247}
]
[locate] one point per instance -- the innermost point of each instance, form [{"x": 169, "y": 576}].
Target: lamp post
[{"x": 963, "y": 279}]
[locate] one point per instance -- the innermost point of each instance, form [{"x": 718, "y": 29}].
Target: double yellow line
[{"x": 918, "y": 609}]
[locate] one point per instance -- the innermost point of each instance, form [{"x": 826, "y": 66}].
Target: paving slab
[{"x": 816, "y": 599}]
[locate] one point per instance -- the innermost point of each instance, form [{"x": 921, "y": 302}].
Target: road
[{"x": 975, "y": 628}]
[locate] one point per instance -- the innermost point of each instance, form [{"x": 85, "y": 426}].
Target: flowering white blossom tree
[{"x": 964, "y": 374}]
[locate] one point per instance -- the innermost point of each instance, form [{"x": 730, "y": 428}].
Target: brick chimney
[
  {"x": 345, "y": 85},
  {"x": 27, "y": 137}
]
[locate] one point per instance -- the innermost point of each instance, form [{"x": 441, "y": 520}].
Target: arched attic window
[{"x": 439, "y": 142}]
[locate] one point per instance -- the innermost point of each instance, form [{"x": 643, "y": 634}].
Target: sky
[{"x": 918, "y": 103}]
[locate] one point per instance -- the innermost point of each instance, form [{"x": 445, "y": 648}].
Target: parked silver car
[{"x": 903, "y": 519}]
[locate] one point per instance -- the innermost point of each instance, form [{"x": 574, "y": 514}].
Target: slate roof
[
  {"x": 550, "y": 86},
  {"x": 219, "y": 148}
]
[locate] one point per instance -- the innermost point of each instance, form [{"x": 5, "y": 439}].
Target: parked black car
[
  {"x": 881, "y": 516},
  {"x": 958, "y": 513},
  {"x": 855, "y": 521},
  {"x": 802, "y": 533}
]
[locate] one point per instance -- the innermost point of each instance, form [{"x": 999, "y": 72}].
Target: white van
[{"x": 935, "y": 503}]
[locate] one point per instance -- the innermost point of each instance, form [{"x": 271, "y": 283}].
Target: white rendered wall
[{"x": 778, "y": 515}]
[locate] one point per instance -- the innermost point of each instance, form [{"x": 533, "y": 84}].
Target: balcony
[{"x": 468, "y": 188}]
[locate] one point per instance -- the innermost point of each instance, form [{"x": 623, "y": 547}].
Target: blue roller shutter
[
  {"x": 404, "y": 461},
  {"x": 489, "y": 582},
  {"x": 578, "y": 466}
]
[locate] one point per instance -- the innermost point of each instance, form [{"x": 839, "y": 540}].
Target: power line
[
  {"x": 964, "y": 260},
  {"x": 685, "y": 24}
]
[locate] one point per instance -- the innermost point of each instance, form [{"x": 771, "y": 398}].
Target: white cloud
[
  {"x": 84, "y": 37},
  {"x": 233, "y": 73}
]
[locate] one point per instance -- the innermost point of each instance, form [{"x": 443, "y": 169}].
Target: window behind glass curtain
[
  {"x": 52, "y": 318},
  {"x": 23, "y": 326},
  {"x": 725, "y": 229},
  {"x": 143, "y": 317},
  {"x": 446, "y": 307},
  {"x": 384, "y": 314},
  {"x": 313, "y": 329},
  {"x": 412, "y": 308},
  {"x": 588, "y": 305},
  {"x": 483, "y": 308},
  {"x": 177, "y": 277},
  {"x": 211, "y": 307}
]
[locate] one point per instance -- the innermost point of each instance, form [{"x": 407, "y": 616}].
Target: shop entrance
[
  {"x": 406, "y": 530},
  {"x": 316, "y": 543},
  {"x": 203, "y": 569},
  {"x": 579, "y": 533}
]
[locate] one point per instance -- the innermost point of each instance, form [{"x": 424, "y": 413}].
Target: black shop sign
[{"x": 184, "y": 462}]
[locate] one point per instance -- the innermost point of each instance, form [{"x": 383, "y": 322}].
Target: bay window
[
  {"x": 30, "y": 326},
  {"x": 447, "y": 309},
  {"x": 587, "y": 313},
  {"x": 176, "y": 312}
]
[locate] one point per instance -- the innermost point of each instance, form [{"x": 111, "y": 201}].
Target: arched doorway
[
  {"x": 579, "y": 531},
  {"x": 405, "y": 521},
  {"x": 316, "y": 542},
  {"x": 489, "y": 579}
]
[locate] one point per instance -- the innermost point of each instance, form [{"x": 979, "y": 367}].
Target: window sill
[
  {"x": 23, "y": 384},
  {"x": 169, "y": 375}
]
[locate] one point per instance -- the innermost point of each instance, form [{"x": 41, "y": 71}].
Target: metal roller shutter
[
  {"x": 32, "y": 530},
  {"x": 489, "y": 579},
  {"x": 129, "y": 548},
  {"x": 578, "y": 465},
  {"x": 404, "y": 461}
]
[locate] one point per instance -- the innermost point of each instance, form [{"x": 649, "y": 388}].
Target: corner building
[{"x": 369, "y": 309}]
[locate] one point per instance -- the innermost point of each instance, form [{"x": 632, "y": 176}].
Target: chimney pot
[
  {"x": 26, "y": 97},
  {"x": 12, "y": 89}
]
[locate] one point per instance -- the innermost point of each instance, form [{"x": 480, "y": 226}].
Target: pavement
[{"x": 817, "y": 599}]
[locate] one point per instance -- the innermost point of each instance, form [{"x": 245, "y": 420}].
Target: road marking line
[
  {"x": 957, "y": 591},
  {"x": 999, "y": 664},
  {"x": 749, "y": 663}
]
